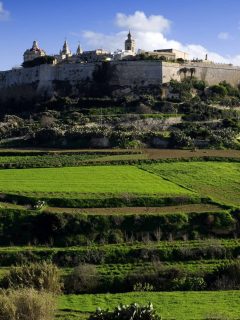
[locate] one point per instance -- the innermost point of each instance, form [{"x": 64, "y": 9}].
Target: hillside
[
  {"x": 129, "y": 200},
  {"x": 187, "y": 114}
]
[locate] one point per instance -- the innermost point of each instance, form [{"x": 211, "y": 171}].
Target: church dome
[
  {"x": 34, "y": 52},
  {"x": 35, "y": 47}
]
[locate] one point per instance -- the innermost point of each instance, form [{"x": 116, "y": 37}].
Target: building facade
[
  {"x": 130, "y": 44},
  {"x": 33, "y": 53}
]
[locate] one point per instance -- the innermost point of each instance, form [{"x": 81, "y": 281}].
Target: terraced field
[
  {"x": 108, "y": 272},
  {"x": 95, "y": 179},
  {"x": 130, "y": 220},
  {"x": 219, "y": 180},
  {"x": 163, "y": 251}
]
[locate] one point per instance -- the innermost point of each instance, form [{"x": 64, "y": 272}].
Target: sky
[{"x": 198, "y": 27}]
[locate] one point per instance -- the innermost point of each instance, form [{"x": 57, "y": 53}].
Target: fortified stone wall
[
  {"x": 137, "y": 73},
  {"x": 40, "y": 80},
  {"x": 44, "y": 80},
  {"x": 209, "y": 72}
]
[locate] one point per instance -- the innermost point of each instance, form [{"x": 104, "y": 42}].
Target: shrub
[
  {"x": 83, "y": 279},
  {"x": 133, "y": 312},
  {"x": 216, "y": 316},
  {"x": 143, "y": 287},
  {"x": 227, "y": 276},
  {"x": 180, "y": 139},
  {"x": 199, "y": 84},
  {"x": 26, "y": 304},
  {"x": 219, "y": 90},
  {"x": 47, "y": 136},
  {"x": 189, "y": 283},
  {"x": 40, "y": 276}
]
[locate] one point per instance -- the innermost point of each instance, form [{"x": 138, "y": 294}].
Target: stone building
[
  {"x": 130, "y": 49},
  {"x": 65, "y": 53},
  {"x": 95, "y": 55},
  {"x": 79, "y": 50},
  {"x": 167, "y": 54},
  {"x": 33, "y": 53},
  {"x": 130, "y": 44}
]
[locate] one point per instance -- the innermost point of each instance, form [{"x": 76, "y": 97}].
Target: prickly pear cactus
[{"x": 127, "y": 312}]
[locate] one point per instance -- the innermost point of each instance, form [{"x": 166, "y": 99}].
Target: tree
[
  {"x": 184, "y": 71},
  {"x": 38, "y": 61},
  {"x": 192, "y": 71}
]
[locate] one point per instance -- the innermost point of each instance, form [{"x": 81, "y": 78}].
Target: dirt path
[{"x": 140, "y": 210}]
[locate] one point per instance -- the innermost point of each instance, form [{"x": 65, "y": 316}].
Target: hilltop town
[
  {"x": 129, "y": 53},
  {"x": 44, "y": 76},
  {"x": 88, "y": 99}
]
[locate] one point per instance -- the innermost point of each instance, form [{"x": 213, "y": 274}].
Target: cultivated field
[
  {"x": 218, "y": 180},
  {"x": 128, "y": 214},
  {"x": 95, "y": 179}
]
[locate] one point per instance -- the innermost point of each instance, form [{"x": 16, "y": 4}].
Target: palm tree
[
  {"x": 192, "y": 71},
  {"x": 184, "y": 71}
]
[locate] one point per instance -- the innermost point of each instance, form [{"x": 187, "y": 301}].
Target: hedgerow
[{"x": 68, "y": 229}]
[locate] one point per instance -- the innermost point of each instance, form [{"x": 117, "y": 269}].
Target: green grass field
[
  {"x": 218, "y": 180},
  {"x": 95, "y": 179},
  {"x": 170, "y": 305}
]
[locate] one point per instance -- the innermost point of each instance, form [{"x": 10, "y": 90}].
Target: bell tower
[{"x": 130, "y": 43}]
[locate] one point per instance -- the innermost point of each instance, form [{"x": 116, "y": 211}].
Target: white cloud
[
  {"x": 140, "y": 22},
  {"x": 4, "y": 14},
  {"x": 111, "y": 42},
  {"x": 149, "y": 33},
  {"x": 223, "y": 36}
]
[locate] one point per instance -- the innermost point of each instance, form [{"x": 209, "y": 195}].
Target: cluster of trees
[
  {"x": 221, "y": 93},
  {"x": 76, "y": 229},
  {"x": 219, "y": 134},
  {"x": 38, "y": 61}
]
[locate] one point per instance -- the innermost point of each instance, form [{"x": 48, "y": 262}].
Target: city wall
[
  {"x": 210, "y": 72},
  {"x": 45, "y": 80}
]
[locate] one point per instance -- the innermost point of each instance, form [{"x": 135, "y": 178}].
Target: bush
[
  {"x": 26, "y": 304},
  {"x": 199, "y": 84},
  {"x": 47, "y": 136},
  {"x": 40, "y": 276},
  {"x": 189, "y": 283},
  {"x": 83, "y": 279},
  {"x": 133, "y": 312},
  {"x": 180, "y": 139},
  {"x": 143, "y": 287},
  {"x": 38, "y": 61},
  {"x": 218, "y": 90},
  {"x": 227, "y": 277}
]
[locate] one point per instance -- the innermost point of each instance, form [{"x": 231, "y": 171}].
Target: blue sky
[{"x": 199, "y": 27}]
